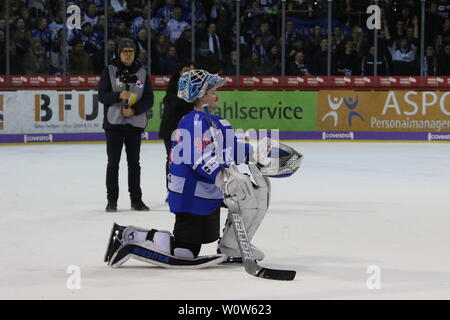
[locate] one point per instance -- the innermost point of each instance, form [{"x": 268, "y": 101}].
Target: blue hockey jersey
[{"x": 196, "y": 159}]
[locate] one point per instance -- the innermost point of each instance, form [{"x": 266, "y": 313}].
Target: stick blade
[{"x": 274, "y": 274}]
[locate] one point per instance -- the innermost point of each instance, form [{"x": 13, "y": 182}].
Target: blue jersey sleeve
[
  {"x": 197, "y": 149},
  {"x": 235, "y": 150}
]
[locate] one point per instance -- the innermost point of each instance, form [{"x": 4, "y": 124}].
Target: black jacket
[
  {"x": 108, "y": 97},
  {"x": 320, "y": 62},
  {"x": 367, "y": 66},
  {"x": 443, "y": 67},
  {"x": 174, "y": 109}
]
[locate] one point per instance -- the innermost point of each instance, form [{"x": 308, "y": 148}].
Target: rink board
[
  {"x": 283, "y": 135},
  {"x": 50, "y": 116}
]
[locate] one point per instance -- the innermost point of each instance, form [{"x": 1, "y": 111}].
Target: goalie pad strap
[{"x": 151, "y": 234}]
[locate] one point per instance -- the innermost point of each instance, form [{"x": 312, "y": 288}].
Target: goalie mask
[
  {"x": 276, "y": 159},
  {"x": 195, "y": 83}
]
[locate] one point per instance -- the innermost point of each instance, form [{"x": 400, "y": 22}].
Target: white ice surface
[{"x": 352, "y": 205}]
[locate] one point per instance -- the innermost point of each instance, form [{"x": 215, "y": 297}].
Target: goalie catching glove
[{"x": 275, "y": 159}]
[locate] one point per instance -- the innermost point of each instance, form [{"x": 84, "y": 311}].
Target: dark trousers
[
  {"x": 192, "y": 230},
  {"x": 115, "y": 139},
  {"x": 168, "y": 145}
]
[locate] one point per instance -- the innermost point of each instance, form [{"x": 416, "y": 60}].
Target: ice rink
[{"x": 351, "y": 206}]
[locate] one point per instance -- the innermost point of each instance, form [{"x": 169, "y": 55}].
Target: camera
[{"x": 127, "y": 79}]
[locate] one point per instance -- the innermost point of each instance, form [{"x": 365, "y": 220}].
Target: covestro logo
[{"x": 37, "y": 138}]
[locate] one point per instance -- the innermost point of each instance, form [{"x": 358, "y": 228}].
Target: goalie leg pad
[
  {"x": 155, "y": 247},
  {"x": 146, "y": 253},
  {"x": 252, "y": 204},
  {"x": 121, "y": 237}
]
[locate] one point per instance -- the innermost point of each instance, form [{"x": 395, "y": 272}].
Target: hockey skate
[{"x": 115, "y": 241}]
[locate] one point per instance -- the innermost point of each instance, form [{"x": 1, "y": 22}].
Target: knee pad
[
  {"x": 186, "y": 250},
  {"x": 183, "y": 253},
  {"x": 162, "y": 241},
  {"x": 133, "y": 234}
]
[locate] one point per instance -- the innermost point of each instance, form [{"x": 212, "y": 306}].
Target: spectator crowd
[{"x": 37, "y": 43}]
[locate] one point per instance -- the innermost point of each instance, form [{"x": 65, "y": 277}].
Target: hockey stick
[{"x": 250, "y": 264}]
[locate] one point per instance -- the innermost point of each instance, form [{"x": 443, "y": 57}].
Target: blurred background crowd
[{"x": 38, "y": 46}]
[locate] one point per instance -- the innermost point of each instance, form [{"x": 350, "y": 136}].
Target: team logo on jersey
[
  {"x": 202, "y": 143},
  {"x": 139, "y": 84}
]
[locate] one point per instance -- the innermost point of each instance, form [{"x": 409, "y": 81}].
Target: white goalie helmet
[{"x": 195, "y": 83}]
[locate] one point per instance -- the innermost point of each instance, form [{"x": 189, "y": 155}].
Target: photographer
[
  {"x": 174, "y": 109},
  {"x": 126, "y": 93}
]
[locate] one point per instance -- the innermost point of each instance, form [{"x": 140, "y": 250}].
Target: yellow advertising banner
[{"x": 406, "y": 111}]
